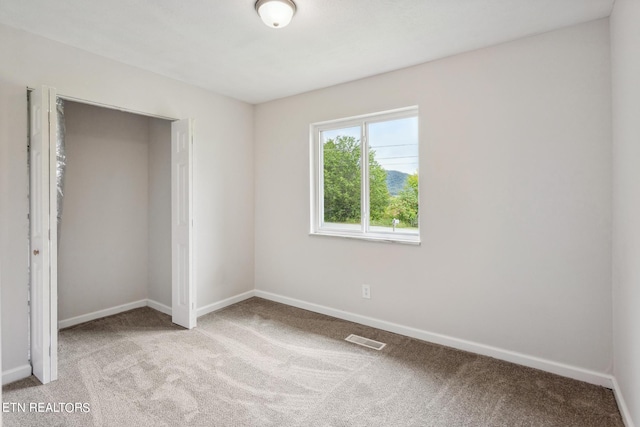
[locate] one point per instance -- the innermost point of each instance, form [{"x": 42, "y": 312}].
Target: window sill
[{"x": 403, "y": 240}]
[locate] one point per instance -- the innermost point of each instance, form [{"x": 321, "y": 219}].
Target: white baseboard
[
  {"x": 159, "y": 306},
  {"x": 224, "y": 303},
  {"x": 562, "y": 369},
  {"x": 101, "y": 313},
  {"x": 622, "y": 405},
  {"x": 153, "y": 304},
  {"x": 16, "y": 374},
  {"x": 207, "y": 308}
]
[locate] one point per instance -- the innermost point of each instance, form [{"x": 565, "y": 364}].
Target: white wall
[
  {"x": 223, "y": 165},
  {"x": 14, "y": 228},
  {"x": 159, "y": 288},
  {"x": 515, "y": 199},
  {"x": 104, "y": 233},
  {"x": 625, "y": 61}
]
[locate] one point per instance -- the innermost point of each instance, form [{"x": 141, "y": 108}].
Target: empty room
[{"x": 190, "y": 234}]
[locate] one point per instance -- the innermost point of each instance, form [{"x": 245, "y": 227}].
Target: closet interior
[{"x": 114, "y": 230}]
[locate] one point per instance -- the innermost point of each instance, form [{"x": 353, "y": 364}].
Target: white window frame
[{"x": 318, "y": 226}]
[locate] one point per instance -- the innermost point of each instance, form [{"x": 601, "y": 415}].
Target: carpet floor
[{"x": 260, "y": 363}]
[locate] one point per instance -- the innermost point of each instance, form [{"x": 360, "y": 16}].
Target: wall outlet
[{"x": 366, "y": 291}]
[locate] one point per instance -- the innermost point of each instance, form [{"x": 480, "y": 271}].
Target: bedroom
[{"x": 528, "y": 192}]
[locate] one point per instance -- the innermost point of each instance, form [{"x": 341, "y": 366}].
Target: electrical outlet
[{"x": 366, "y": 291}]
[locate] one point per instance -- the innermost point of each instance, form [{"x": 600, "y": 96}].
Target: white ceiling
[{"x": 223, "y": 46}]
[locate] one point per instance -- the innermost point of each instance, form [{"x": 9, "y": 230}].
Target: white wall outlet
[{"x": 366, "y": 291}]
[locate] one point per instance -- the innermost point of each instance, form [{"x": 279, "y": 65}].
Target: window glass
[
  {"x": 342, "y": 171},
  {"x": 393, "y": 175}
]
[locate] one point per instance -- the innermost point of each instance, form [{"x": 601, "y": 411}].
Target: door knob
[{"x": 36, "y": 251}]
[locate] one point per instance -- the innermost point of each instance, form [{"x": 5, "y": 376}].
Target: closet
[
  {"x": 110, "y": 218},
  {"x": 114, "y": 232}
]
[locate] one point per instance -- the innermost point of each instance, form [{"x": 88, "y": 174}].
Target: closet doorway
[{"x": 45, "y": 160}]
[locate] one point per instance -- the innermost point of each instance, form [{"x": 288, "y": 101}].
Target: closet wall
[{"x": 117, "y": 180}]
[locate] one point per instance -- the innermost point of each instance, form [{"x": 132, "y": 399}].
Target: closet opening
[
  {"x": 114, "y": 212},
  {"x": 110, "y": 218}
]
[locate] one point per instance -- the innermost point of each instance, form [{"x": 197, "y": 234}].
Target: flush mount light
[{"x": 276, "y": 13}]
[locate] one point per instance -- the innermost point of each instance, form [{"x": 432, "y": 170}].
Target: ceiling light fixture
[{"x": 276, "y": 13}]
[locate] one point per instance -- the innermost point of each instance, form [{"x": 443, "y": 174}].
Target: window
[{"x": 375, "y": 199}]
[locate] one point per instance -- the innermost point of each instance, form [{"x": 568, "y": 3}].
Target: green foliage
[
  {"x": 342, "y": 182},
  {"x": 405, "y": 205},
  {"x": 342, "y": 188},
  {"x": 342, "y": 179},
  {"x": 378, "y": 191}
]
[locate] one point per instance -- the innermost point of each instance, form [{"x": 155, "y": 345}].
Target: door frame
[{"x": 48, "y": 288}]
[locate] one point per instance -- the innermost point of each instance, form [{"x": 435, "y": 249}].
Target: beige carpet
[{"x": 260, "y": 363}]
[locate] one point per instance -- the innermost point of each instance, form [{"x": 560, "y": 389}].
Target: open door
[
  {"x": 43, "y": 235},
  {"x": 183, "y": 308}
]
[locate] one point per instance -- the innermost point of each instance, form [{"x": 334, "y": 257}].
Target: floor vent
[{"x": 366, "y": 342}]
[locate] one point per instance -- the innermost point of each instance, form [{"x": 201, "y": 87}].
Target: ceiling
[{"x": 223, "y": 46}]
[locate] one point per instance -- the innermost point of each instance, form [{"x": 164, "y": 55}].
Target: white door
[
  {"x": 43, "y": 235},
  {"x": 183, "y": 293}
]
